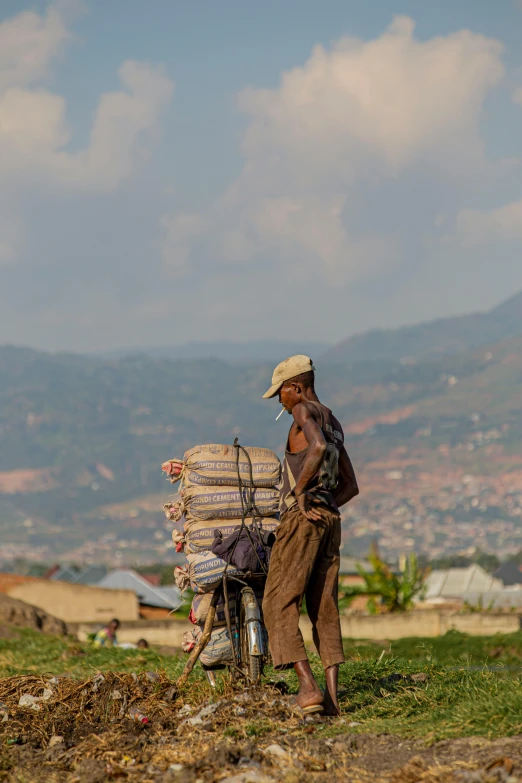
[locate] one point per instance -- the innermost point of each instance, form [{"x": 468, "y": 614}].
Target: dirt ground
[{"x": 81, "y": 732}]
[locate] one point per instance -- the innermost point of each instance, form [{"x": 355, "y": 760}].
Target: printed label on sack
[
  {"x": 201, "y": 503},
  {"x": 192, "y": 477},
  {"x": 206, "y": 570},
  {"x": 260, "y": 467},
  {"x": 229, "y": 497},
  {"x": 217, "y": 465}
]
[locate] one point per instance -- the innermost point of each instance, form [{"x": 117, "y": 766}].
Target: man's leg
[
  {"x": 309, "y": 691},
  {"x": 323, "y": 610},
  {"x": 331, "y": 703},
  {"x": 291, "y": 563}
]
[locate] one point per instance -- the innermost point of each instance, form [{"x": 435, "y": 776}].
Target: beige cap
[{"x": 294, "y": 365}]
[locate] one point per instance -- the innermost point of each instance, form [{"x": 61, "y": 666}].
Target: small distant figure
[
  {"x": 106, "y": 637},
  {"x": 141, "y": 644}
]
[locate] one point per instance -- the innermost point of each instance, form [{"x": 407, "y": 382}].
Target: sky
[{"x": 174, "y": 171}]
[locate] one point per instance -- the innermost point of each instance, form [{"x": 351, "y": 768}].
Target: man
[
  {"x": 106, "y": 637},
  {"x": 318, "y": 479}
]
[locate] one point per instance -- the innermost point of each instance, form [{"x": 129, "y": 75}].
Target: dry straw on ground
[{"x": 81, "y": 732}]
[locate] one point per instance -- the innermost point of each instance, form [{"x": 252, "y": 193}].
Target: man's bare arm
[
  {"x": 347, "y": 487},
  {"x": 314, "y": 457}
]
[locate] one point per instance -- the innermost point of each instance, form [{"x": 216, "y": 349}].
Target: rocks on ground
[{"x": 22, "y": 615}]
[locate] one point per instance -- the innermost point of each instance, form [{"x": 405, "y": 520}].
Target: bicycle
[{"x": 248, "y": 635}]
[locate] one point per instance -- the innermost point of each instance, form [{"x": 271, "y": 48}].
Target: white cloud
[
  {"x": 394, "y": 97},
  {"x": 505, "y": 223},
  {"x": 122, "y": 119},
  {"x": 502, "y": 224},
  {"x": 28, "y": 44},
  {"x": 34, "y": 133},
  {"x": 320, "y": 146}
]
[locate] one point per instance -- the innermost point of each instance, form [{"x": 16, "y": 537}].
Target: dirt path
[{"x": 80, "y": 732}]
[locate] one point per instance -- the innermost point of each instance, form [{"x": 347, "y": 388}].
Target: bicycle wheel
[{"x": 251, "y": 665}]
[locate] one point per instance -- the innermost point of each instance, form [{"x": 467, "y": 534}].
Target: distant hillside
[
  {"x": 433, "y": 338},
  {"x": 82, "y": 439}
]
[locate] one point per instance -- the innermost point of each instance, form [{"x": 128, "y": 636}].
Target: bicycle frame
[
  {"x": 244, "y": 626},
  {"x": 256, "y": 642}
]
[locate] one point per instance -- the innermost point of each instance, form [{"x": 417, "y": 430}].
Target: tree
[{"x": 395, "y": 591}]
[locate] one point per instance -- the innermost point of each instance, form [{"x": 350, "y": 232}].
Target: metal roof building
[
  {"x": 348, "y": 566},
  {"x": 88, "y": 575},
  {"x": 168, "y": 597},
  {"x": 456, "y": 583}
]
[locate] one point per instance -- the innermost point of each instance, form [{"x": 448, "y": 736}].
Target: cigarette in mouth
[{"x": 280, "y": 413}]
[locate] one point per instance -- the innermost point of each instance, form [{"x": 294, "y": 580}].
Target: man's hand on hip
[{"x": 308, "y": 506}]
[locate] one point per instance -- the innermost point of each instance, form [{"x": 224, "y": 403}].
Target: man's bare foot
[
  {"x": 309, "y": 691},
  {"x": 331, "y": 703}
]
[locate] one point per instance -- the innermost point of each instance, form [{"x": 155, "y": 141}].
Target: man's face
[
  {"x": 289, "y": 395},
  {"x": 113, "y": 627}
]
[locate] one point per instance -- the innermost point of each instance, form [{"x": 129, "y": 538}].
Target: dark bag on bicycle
[{"x": 245, "y": 548}]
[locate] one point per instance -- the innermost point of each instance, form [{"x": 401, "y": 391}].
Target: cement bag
[
  {"x": 173, "y": 509},
  {"x": 205, "y": 571},
  {"x": 225, "y": 503},
  {"x": 215, "y": 465},
  {"x": 219, "y": 649},
  {"x": 201, "y": 605},
  {"x": 199, "y": 535},
  {"x": 174, "y": 469}
]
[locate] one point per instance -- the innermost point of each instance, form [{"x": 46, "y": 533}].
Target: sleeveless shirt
[{"x": 327, "y": 477}]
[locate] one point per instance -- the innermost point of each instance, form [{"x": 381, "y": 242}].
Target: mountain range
[
  {"x": 237, "y": 352},
  {"x": 429, "y": 339},
  {"x": 433, "y": 338}
]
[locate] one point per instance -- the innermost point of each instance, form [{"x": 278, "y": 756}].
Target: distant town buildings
[
  {"x": 80, "y": 595},
  {"x": 448, "y": 494},
  {"x": 406, "y": 507},
  {"x": 472, "y": 588}
]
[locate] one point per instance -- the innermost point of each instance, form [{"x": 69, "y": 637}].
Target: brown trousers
[{"x": 304, "y": 563}]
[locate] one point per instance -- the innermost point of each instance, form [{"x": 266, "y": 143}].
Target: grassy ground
[
  {"x": 458, "y": 696},
  {"x": 454, "y": 648}
]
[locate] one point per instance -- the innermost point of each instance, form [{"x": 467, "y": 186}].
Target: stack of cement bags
[{"x": 211, "y": 498}]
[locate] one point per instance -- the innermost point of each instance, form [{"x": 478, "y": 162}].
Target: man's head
[
  {"x": 293, "y": 381},
  {"x": 142, "y": 644},
  {"x": 294, "y": 369},
  {"x": 297, "y": 389},
  {"x": 114, "y": 625}
]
